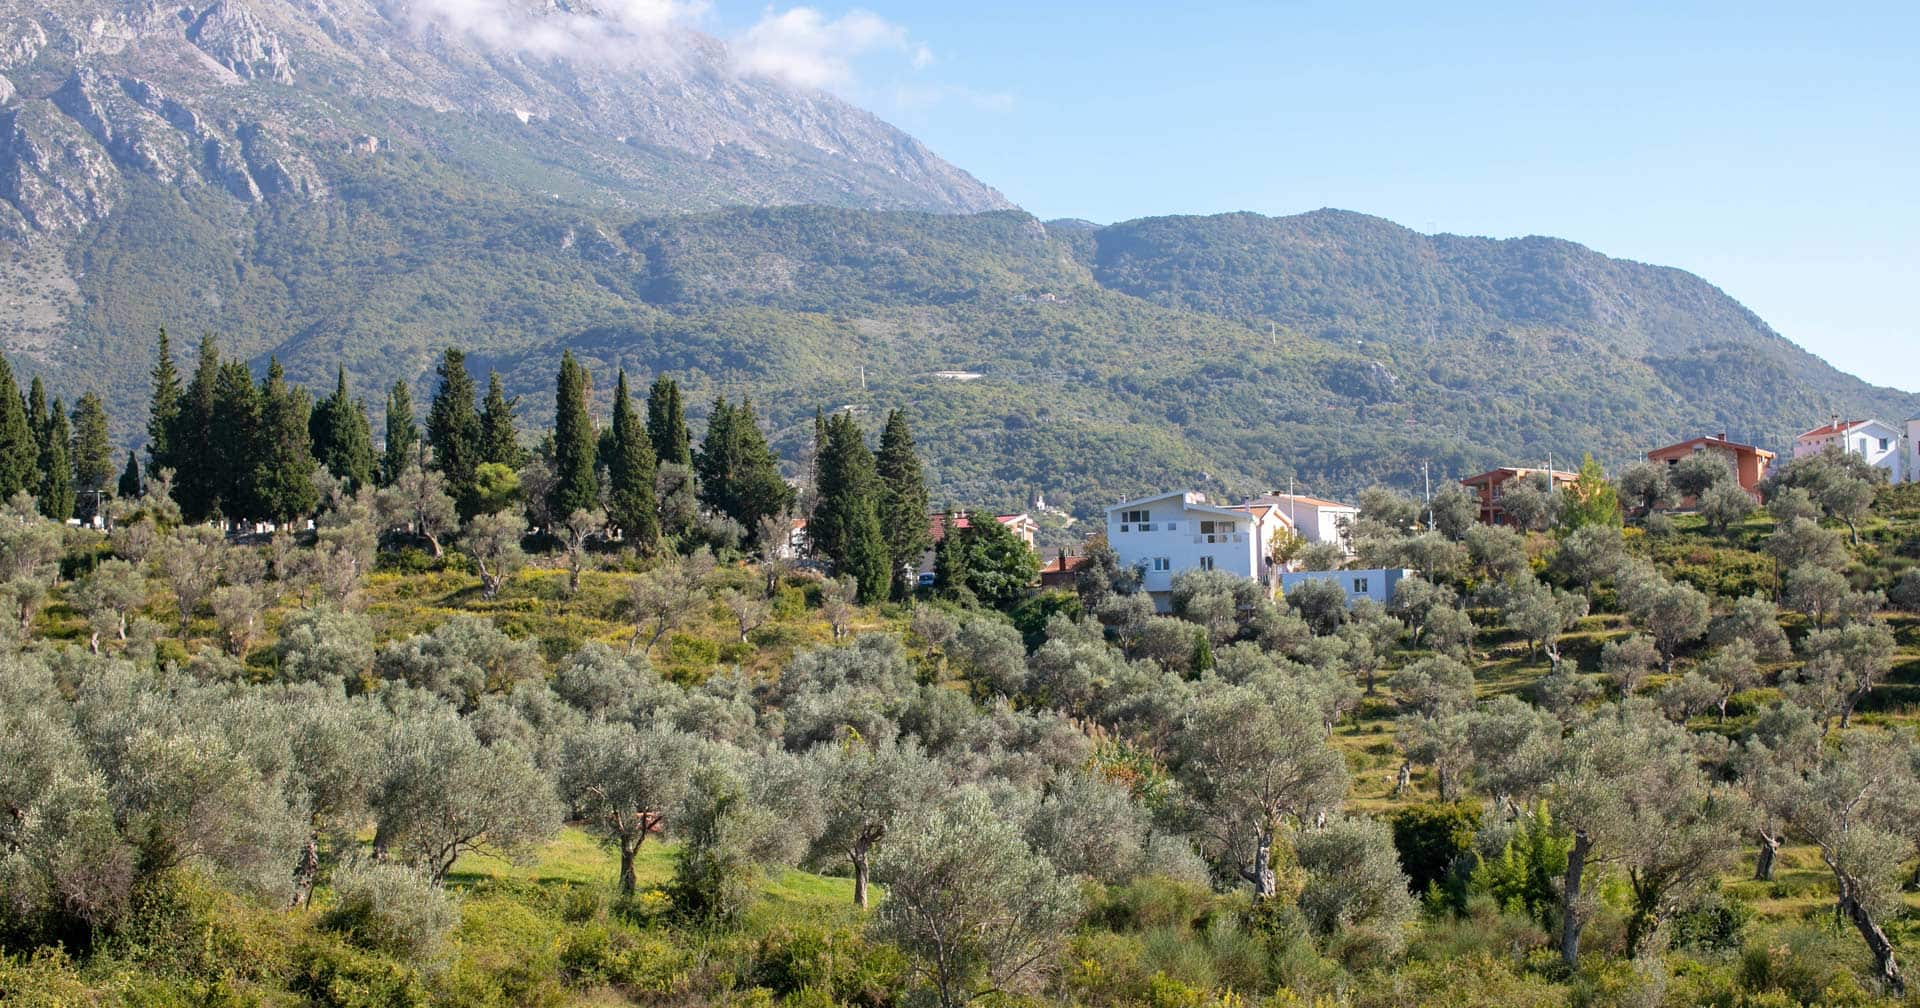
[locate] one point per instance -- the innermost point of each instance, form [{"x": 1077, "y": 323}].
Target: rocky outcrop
[
  {"x": 236, "y": 39},
  {"x": 53, "y": 175},
  {"x": 6, "y": 91}
]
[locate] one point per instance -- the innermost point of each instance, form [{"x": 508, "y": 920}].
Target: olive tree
[
  {"x": 1627, "y": 662},
  {"x": 461, "y": 660},
  {"x": 626, "y": 781},
  {"x": 1842, "y": 666},
  {"x": 863, "y": 788},
  {"x": 576, "y": 530},
  {"x": 417, "y": 503},
  {"x": 1354, "y": 882},
  {"x": 975, "y": 911},
  {"x": 1541, "y": 614},
  {"x": 1724, "y": 505},
  {"x": 444, "y": 794},
  {"x": 1252, "y": 768},
  {"x": 108, "y": 597},
  {"x": 665, "y": 597},
  {"x": 492, "y": 541},
  {"x": 1645, "y": 486},
  {"x": 326, "y": 646}
]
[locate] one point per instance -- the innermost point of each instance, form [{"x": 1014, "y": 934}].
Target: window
[
  {"x": 1206, "y": 563},
  {"x": 1883, "y": 444},
  {"x": 1215, "y": 527},
  {"x": 1136, "y": 517},
  {"x": 1162, "y": 564},
  {"x": 1359, "y": 586}
]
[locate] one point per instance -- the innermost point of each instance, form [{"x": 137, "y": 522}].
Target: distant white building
[
  {"x": 1168, "y": 533},
  {"x": 1877, "y": 441},
  {"x": 1377, "y": 585},
  {"x": 1315, "y": 519}
]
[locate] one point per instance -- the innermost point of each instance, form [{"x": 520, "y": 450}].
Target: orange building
[
  {"x": 1488, "y": 487},
  {"x": 1749, "y": 463}
]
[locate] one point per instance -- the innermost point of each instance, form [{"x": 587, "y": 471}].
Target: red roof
[
  {"x": 1720, "y": 440},
  {"x": 937, "y": 523},
  {"x": 1840, "y": 427}
]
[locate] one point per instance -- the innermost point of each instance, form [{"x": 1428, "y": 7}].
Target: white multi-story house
[
  {"x": 1166, "y": 534},
  {"x": 1315, "y": 519},
  {"x": 1358, "y": 584},
  {"x": 1876, "y": 441}
]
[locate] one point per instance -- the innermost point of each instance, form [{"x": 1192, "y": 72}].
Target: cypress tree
[
  {"x": 341, "y": 437},
  {"x": 234, "y": 444},
  {"x": 18, "y": 451},
  {"x": 574, "y": 483},
  {"x": 402, "y": 434},
  {"x": 667, "y": 423},
  {"x": 453, "y": 429},
  {"x": 37, "y": 423},
  {"x": 283, "y": 473},
  {"x": 739, "y": 472},
  {"x": 129, "y": 487},
  {"x": 163, "y": 408},
  {"x": 56, "y": 465},
  {"x": 845, "y": 526},
  {"x": 196, "y": 487},
  {"x": 714, "y": 463},
  {"x": 631, "y": 469},
  {"x": 903, "y": 502},
  {"x": 92, "y": 446},
  {"x": 499, "y": 442}
]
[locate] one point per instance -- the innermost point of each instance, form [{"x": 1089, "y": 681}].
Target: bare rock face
[
  {"x": 53, "y": 175},
  {"x": 237, "y": 40},
  {"x": 6, "y": 90}
]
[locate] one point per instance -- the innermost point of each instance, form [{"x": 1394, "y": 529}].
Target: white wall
[
  {"x": 1368, "y": 584},
  {"x": 1175, "y": 529}
]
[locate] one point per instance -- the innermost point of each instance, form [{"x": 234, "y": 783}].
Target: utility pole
[{"x": 1427, "y": 478}]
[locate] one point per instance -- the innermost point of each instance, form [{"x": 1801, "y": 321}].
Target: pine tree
[
  {"x": 92, "y": 446},
  {"x": 667, "y": 423},
  {"x": 499, "y": 442},
  {"x": 283, "y": 475},
  {"x": 631, "y": 469},
  {"x": 37, "y": 423},
  {"x": 56, "y": 466},
  {"x": 1592, "y": 499},
  {"x": 903, "y": 502},
  {"x": 18, "y": 452},
  {"x": 453, "y": 429},
  {"x": 403, "y": 435},
  {"x": 130, "y": 485},
  {"x": 234, "y": 443},
  {"x": 574, "y": 485},
  {"x": 341, "y": 437},
  {"x": 196, "y": 486},
  {"x": 739, "y": 473},
  {"x": 163, "y": 408},
  {"x": 845, "y": 526}
]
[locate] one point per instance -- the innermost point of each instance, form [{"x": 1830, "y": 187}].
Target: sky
[{"x": 1773, "y": 149}]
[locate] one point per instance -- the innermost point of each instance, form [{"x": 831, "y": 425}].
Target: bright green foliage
[
  {"x": 92, "y": 446},
  {"x": 631, "y": 470},
  {"x": 667, "y": 423},
  {"x": 282, "y": 476},
  {"x": 342, "y": 438},
  {"x": 1591, "y": 500},
  {"x": 18, "y": 452},
  {"x": 453, "y": 430},
  {"x": 575, "y": 487},
  {"x": 903, "y": 502},
  {"x": 739, "y": 475},
  {"x": 56, "y": 469},
  {"x": 499, "y": 442},
  {"x": 402, "y": 434},
  {"x": 985, "y": 560},
  {"x": 845, "y": 527}
]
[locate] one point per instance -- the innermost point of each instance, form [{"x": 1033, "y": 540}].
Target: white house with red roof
[
  {"x": 1168, "y": 533},
  {"x": 1880, "y": 443}
]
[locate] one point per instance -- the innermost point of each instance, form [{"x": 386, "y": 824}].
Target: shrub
[
  {"x": 390, "y": 908},
  {"x": 337, "y": 976},
  {"x": 1432, "y": 838}
]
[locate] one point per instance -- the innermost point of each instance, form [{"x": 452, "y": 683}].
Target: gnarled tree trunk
[
  {"x": 1763, "y": 865},
  {"x": 1570, "y": 922}
]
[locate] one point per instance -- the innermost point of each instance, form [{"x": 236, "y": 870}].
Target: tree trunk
[
  {"x": 433, "y": 543},
  {"x": 1403, "y": 779},
  {"x": 860, "y": 880},
  {"x": 305, "y": 873},
  {"x": 1265, "y": 885},
  {"x": 1884, "y": 965},
  {"x": 1570, "y": 922},
  {"x": 629, "y": 848},
  {"x": 1763, "y": 865}
]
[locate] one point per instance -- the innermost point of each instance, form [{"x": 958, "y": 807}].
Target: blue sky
[{"x": 1773, "y": 149}]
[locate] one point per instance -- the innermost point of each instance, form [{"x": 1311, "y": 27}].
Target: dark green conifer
[
  {"x": 575, "y": 486},
  {"x": 631, "y": 469},
  {"x": 667, "y": 423},
  {"x": 56, "y": 464},
  {"x": 17, "y": 449},
  {"x": 903, "y": 502},
  {"x": 341, "y": 436},
  {"x": 199, "y": 463},
  {"x": 130, "y": 486},
  {"x": 845, "y": 526},
  {"x": 453, "y": 429},
  {"x": 92, "y": 447},
  {"x": 234, "y": 444},
  {"x": 283, "y": 475},
  {"x": 499, "y": 442},
  {"x": 163, "y": 408},
  {"x": 403, "y": 435},
  {"x": 739, "y": 473}
]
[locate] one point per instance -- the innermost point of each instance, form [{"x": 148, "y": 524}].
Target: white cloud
[
  {"x": 619, "y": 30},
  {"x": 804, "y": 47}
]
